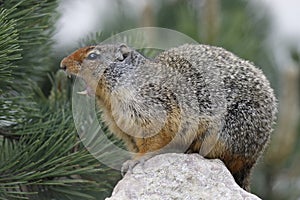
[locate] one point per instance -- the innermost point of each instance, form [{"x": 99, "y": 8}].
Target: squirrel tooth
[
  {"x": 84, "y": 92},
  {"x": 69, "y": 74}
]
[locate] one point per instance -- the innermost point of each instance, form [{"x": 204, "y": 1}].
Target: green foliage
[
  {"x": 41, "y": 156},
  {"x": 33, "y": 22},
  {"x": 13, "y": 104},
  {"x": 45, "y": 158},
  {"x": 179, "y": 16},
  {"x": 10, "y": 49}
]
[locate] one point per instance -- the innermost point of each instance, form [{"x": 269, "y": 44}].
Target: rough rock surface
[{"x": 179, "y": 176}]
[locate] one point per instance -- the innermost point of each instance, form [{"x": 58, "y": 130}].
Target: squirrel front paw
[{"x": 130, "y": 164}]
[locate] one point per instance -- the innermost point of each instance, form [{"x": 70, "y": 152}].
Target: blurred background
[{"x": 41, "y": 156}]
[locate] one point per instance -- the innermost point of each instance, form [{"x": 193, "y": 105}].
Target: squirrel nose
[{"x": 63, "y": 65}]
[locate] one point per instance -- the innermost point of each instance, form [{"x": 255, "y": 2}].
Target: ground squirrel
[{"x": 192, "y": 99}]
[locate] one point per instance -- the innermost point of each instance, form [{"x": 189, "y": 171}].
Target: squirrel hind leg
[
  {"x": 242, "y": 177},
  {"x": 241, "y": 168}
]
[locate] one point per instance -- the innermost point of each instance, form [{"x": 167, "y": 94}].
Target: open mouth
[{"x": 88, "y": 89}]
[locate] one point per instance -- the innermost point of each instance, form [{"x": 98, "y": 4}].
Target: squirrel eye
[{"x": 92, "y": 56}]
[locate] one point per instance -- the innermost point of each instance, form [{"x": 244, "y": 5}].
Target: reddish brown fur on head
[{"x": 72, "y": 62}]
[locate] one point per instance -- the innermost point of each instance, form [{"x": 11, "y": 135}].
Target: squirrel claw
[{"x": 128, "y": 166}]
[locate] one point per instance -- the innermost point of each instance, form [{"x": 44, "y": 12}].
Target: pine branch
[
  {"x": 32, "y": 19},
  {"x": 6, "y": 134},
  {"x": 40, "y": 154},
  {"x": 10, "y": 50},
  {"x": 49, "y": 157},
  {"x": 25, "y": 53}
]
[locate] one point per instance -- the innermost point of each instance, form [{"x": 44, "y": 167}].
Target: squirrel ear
[{"x": 123, "y": 52}]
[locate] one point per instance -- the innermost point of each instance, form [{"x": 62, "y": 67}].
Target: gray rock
[{"x": 179, "y": 176}]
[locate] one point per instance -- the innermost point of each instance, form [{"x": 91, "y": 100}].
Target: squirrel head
[
  {"x": 92, "y": 62},
  {"x": 94, "y": 58}
]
